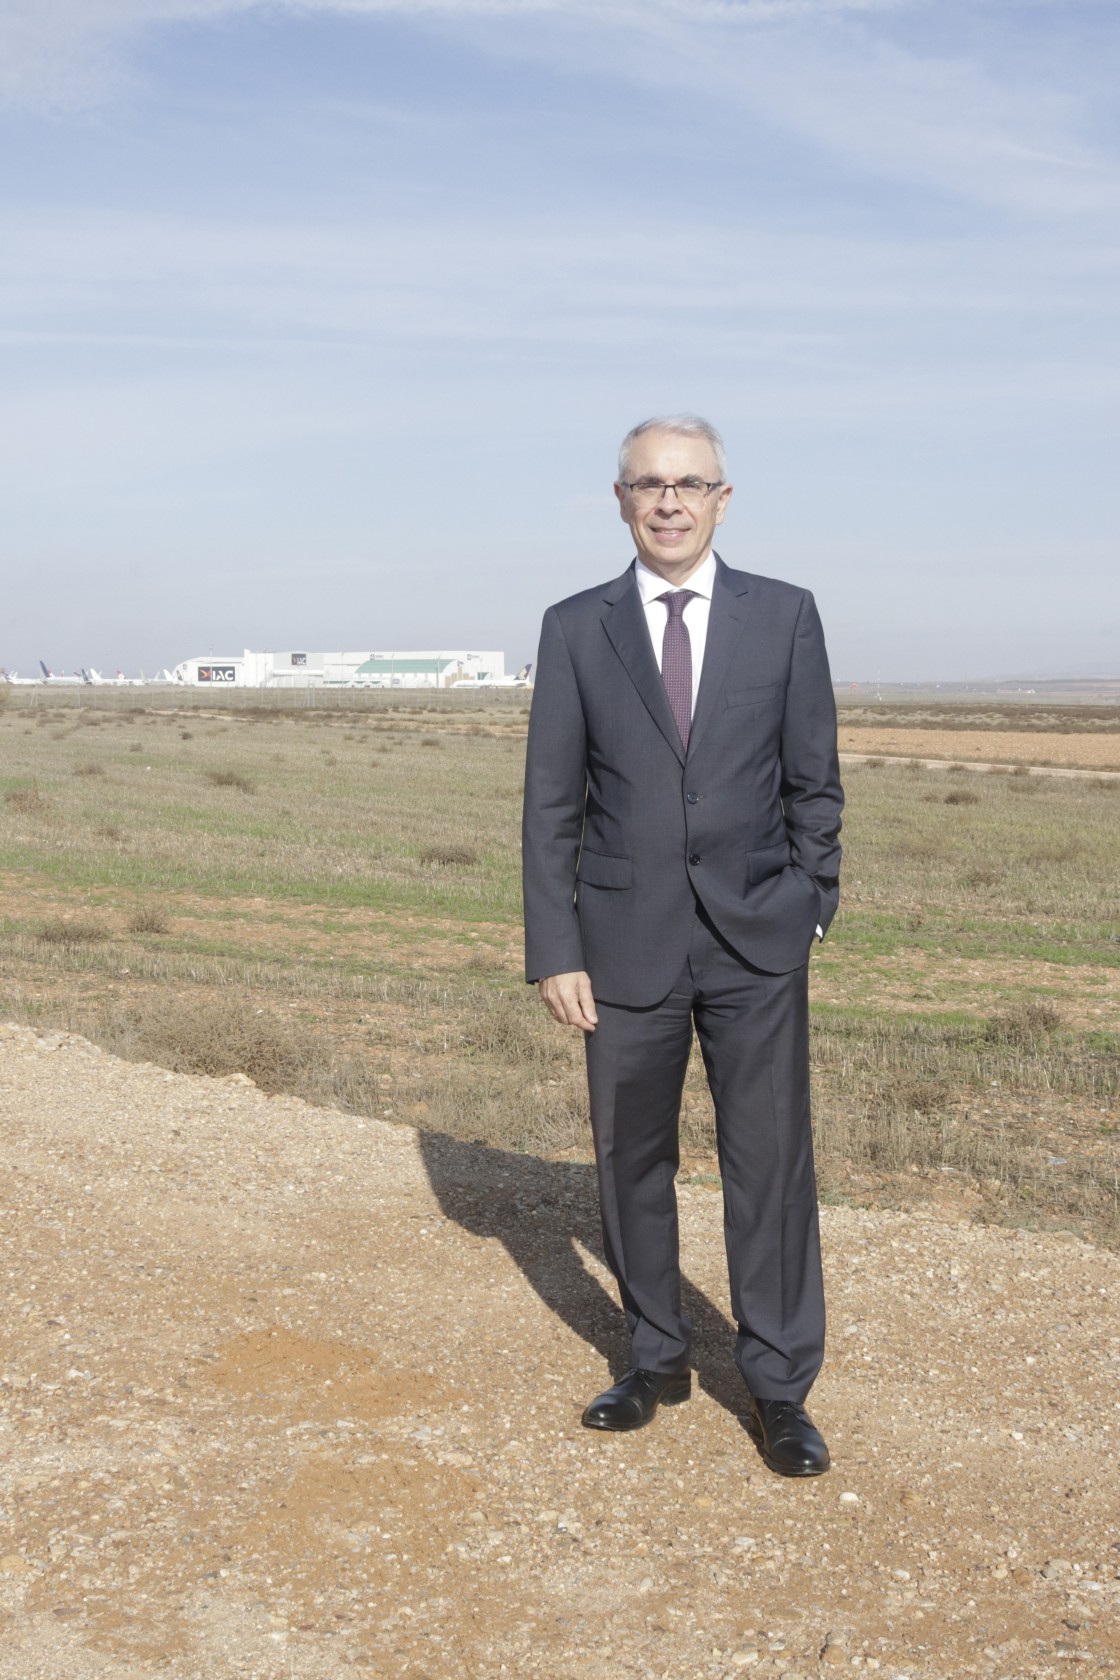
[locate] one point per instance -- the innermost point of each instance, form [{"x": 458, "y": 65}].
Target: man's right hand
[{"x": 568, "y": 999}]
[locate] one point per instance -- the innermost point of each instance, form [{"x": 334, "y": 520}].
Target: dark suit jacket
[{"x": 623, "y": 830}]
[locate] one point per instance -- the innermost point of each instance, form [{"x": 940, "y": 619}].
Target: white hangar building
[{"x": 298, "y": 669}]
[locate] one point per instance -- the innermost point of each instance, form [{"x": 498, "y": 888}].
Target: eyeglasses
[{"x": 690, "y": 491}]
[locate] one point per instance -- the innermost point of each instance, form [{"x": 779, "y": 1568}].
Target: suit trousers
[{"x": 754, "y": 1034}]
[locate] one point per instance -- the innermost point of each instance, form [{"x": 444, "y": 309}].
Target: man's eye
[
  {"x": 691, "y": 484},
  {"x": 648, "y": 484}
]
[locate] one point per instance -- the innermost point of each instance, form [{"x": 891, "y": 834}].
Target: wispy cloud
[{"x": 890, "y": 87}]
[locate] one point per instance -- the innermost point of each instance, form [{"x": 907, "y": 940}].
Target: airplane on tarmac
[
  {"x": 119, "y": 681},
  {"x": 52, "y": 677},
  {"x": 521, "y": 680}
]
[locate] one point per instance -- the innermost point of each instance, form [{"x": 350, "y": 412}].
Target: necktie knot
[{"x": 676, "y": 600}]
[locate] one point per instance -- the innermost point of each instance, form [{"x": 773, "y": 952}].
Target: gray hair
[{"x": 685, "y": 425}]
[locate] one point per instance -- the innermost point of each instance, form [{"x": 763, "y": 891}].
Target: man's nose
[{"x": 669, "y": 496}]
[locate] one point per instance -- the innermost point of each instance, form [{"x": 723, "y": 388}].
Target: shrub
[
  {"x": 89, "y": 770},
  {"x": 962, "y": 796},
  {"x": 448, "y": 855},
  {"x": 29, "y": 802},
  {"x": 1026, "y": 1026},
  {"x": 148, "y": 919},
  {"x": 74, "y": 932},
  {"x": 230, "y": 779}
]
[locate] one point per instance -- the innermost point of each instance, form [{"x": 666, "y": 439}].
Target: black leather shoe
[
  {"x": 786, "y": 1438},
  {"x": 633, "y": 1401}
]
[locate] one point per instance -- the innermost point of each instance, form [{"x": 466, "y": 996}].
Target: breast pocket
[{"x": 756, "y": 694}]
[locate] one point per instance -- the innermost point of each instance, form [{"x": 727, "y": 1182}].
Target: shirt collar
[{"x": 702, "y": 581}]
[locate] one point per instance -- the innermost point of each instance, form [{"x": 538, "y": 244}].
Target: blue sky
[{"x": 320, "y": 321}]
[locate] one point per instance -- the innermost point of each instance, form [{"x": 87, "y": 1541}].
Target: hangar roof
[{"x": 389, "y": 667}]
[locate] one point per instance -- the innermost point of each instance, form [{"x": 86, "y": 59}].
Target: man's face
[{"x": 672, "y": 533}]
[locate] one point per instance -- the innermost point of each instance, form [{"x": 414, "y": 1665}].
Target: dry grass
[
  {"x": 92, "y": 769},
  {"x": 961, "y": 796},
  {"x": 268, "y": 973}
]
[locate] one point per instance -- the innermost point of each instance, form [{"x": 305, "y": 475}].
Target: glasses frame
[{"x": 701, "y": 489}]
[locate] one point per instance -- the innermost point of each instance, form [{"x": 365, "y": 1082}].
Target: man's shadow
[{"x": 539, "y": 1209}]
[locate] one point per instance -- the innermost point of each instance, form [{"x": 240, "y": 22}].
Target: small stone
[
  {"x": 744, "y": 1659},
  {"x": 849, "y": 1499},
  {"x": 1056, "y": 1567},
  {"x": 13, "y": 1564}
]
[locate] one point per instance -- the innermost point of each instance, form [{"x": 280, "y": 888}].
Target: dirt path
[
  {"x": 948, "y": 760},
  {"x": 289, "y": 1394}
]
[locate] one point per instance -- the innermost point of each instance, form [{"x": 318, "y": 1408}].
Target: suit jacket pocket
[
  {"x": 767, "y": 861},
  {"x": 756, "y": 694},
  {"x": 596, "y": 869}
]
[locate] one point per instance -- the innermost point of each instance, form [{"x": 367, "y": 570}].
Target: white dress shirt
[
  {"x": 696, "y": 611},
  {"x": 695, "y": 616}
]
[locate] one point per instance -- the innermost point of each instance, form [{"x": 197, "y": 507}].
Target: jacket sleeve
[
  {"x": 812, "y": 797},
  {"x": 555, "y": 797}
]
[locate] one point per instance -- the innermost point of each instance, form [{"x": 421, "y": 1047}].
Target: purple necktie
[{"x": 676, "y": 660}]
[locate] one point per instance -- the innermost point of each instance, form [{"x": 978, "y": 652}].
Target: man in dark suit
[{"x": 682, "y": 808}]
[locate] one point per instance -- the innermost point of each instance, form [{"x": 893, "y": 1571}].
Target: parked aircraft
[
  {"x": 60, "y": 677},
  {"x": 521, "y": 680},
  {"x": 119, "y": 681}
]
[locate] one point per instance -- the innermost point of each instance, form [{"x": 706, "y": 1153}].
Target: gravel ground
[{"x": 287, "y": 1393}]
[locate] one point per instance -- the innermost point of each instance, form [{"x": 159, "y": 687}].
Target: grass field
[{"x": 327, "y": 899}]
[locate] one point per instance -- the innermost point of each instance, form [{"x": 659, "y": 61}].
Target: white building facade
[{"x": 297, "y": 668}]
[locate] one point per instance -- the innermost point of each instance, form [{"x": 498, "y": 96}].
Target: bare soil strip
[
  {"x": 288, "y": 1393},
  {"x": 993, "y": 747}
]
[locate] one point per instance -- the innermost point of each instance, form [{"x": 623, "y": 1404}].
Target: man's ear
[
  {"x": 721, "y": 505},
  {"x": 621, "y": 494}
]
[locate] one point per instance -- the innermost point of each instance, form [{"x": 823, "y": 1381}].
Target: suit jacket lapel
[
  {"x": 726, "y": 623},
  {"x": 624, "y": 620}
]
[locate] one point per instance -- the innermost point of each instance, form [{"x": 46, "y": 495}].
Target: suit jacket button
[
  {"x": 692, "y": 798},
  {"x": 694, "y": 857}
]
